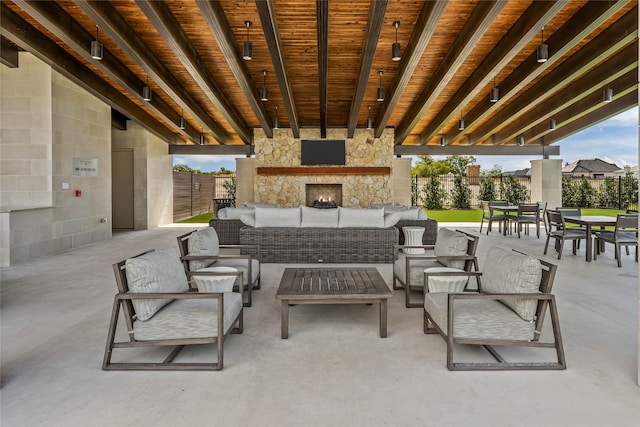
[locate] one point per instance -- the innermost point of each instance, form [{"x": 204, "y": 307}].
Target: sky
[{"x": 614, "y": 140}]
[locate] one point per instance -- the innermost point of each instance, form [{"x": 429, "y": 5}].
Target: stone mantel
[{"x": 324, "y": 170}]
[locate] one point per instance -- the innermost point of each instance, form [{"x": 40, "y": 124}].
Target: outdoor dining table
[
  {"x": 506, "y": 210},
  {"x": 589, "y": 221}
]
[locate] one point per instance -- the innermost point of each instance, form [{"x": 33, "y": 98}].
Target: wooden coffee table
[{"x": 332, "y": 286}]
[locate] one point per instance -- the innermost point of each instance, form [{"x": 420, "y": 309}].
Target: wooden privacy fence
[{"x": 193, "y": 194}]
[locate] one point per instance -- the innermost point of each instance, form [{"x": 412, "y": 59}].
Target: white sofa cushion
[
  {"x": 509, "y": 272},
  {"x": 277, "y": 217},
  {"x": 312, "y": 217},
  {"x": 203, "y": 242},
  {"x": 234, "y": 213},
  {"x": 157, "y": 271},
  {"x": 353, "y": 217},
  {"x": 451, "y": 243},
  {"x": 249, "y": 219},
  {"x": 391, "y": 219},
  {"x": 409, "y": 213}
]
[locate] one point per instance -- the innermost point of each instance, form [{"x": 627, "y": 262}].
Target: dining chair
[
  {"x": 528, "y": 214},
  {"x": 559, "y": 232},
  {"x": 489, "y": 215},
  {"x": 625, "y": 234}
]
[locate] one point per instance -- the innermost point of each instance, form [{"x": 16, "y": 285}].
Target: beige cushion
[
  {"x": 203, "y": 242},
  {"x": 277, "y": 217},
  {"x": 509, "y": 272},
  {"x": 353, "y": 217},
  {"x": 312, "y": 217},
  {"x": 158, "y": 271},
  {"x": 451, "y": 243}
]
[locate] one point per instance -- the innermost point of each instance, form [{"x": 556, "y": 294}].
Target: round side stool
[
  {"x": 450, "y": 284},
  {"x": 215, "y": 283}
]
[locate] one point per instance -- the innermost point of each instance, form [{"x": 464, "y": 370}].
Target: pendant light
[
  {"x": 607, "y": 95},
  {"x": 146, "y": 91},
  {"x": 97, "y": 48},
  {"x": 380, "y": 97},
  {"x": 543, "y": 49},
  {"x": 276, "y": 122},
  {"x": 520, "y": 140},
  {"x": 461, "y": 122},
  {"x": 183, "y": 125},
  {"x": 443, "y": 141},
  {"x": 395, "y": 48},
  {"x": 247, "y": 50},
  {"x": 264, "y": 93},
  {"x": 369, "y": 121},
  {"x": 494, "y": 96},
  {"x": 202, "y": 140},
  {"x": 552, "y": 124}
]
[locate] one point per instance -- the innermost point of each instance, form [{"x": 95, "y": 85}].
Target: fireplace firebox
[{"x": 324, "y": 195}]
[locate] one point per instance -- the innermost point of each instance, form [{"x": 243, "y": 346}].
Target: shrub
[
  {"x": 607, "y": 197},
  {"x": 230, "y": 186},
  {"x": 433, "y": 194},
  {"x": 461, "y": 197},
  {"x": 584, "y": 193},
  {"x": 487, "y": 188},
  {"x": 513, "y": 191}
]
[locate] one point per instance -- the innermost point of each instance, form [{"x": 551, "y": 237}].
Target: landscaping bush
[
  {"x": 487, "y": 188},
  {"x": 434, "y": 195},
  {"x": 512, "y": 191},
  {"x": 607, "y": 197},
  {"x": 461, "y": 197}
]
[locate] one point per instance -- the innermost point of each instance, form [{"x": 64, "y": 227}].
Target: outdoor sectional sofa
[{"x": 309, "y": 235}]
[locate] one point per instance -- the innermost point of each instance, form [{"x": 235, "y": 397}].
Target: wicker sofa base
[{"x": 330, "y": 245}]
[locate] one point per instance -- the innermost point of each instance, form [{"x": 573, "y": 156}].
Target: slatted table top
[{"x": 332, "y": 283}]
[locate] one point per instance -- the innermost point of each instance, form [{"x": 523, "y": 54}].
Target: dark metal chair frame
[
  {"x": 123, "y": 301},
  {"x": 559, "y": 232},
  {"x": 254, "y": 252},
  {"x": 545, "y": 299},
  {"x": 489, "y": 216},
  {"x": 470, "y": 259},
  {"x": 625, "y": 234}
]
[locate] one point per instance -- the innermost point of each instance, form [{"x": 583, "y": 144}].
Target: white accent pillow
[
  {"x": 312, "y": 217},
  {"x": 157, "y": 271},
  {"x": 352, "y": 217},
  {"x": 391, "y": 219},
  {"x": 277, "y": 217},
  {"x": 249, "y": 219},
  {"x": 203, "y": 242}
]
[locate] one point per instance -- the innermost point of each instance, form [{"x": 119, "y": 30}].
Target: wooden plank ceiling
[{"x": 323, "y": 63}]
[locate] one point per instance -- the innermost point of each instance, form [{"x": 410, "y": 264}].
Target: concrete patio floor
[{"x": 334, "y": 370}]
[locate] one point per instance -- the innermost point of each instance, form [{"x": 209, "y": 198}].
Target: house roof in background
[{"x": 590, "y": 166}]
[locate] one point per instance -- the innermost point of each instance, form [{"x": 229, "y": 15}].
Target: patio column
[
  {"x": 546, "y": 181},
  {"x": 244, "y": 180}
]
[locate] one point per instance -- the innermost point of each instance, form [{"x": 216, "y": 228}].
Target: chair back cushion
[
  {"x": 157, "y": 271},
  {"x": 203, "y": 242},
  {"x": 451, "y": 243},
  {"x": 509, "y": 272}
]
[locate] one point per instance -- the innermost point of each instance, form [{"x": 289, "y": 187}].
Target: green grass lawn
[{"x": 440, "y": 215}]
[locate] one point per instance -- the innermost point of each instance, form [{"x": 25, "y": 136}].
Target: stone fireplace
[{"x": 323, "y": 193}]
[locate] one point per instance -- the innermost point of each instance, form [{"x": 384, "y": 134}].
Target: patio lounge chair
[
  {"x": 508, "y": 310},
  {"x": 159, "y": 311},
  {"x": 199, "y": 250},
  {"x": 625, "y": 234}
]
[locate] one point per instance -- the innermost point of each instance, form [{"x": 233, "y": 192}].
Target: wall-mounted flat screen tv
[{"x": 323, "y": 152}]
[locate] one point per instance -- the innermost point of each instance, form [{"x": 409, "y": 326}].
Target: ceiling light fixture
[
  {"x": 543, "y": 49},
  {"x": 395, "y": 48},
  {"x": 183, "y": 125},
  {"x": 552, "y": 124},
  {"x": 202, "y": 140},
  {"x": 369, "y": 121},
  {"x": 264, "y": 93},
  {"x": 520, "y": 140},
  {"x": 146, "y": 91},
  {"x": 380, "y": 97},
  {"x": 443, "y": 141},
  {"x": 607, "y": 95},
  {"x": 97, "y": 48},
  {"x": 276, "y": 122},
  {"x": 494, "y": 96},
  {"x": 461, "y": 122},
  {"x": 247, "y": 50}
]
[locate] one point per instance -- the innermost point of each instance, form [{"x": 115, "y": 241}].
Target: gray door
[{"x": 122, "y": 188}]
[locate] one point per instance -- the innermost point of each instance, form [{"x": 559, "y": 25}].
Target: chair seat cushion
[
  {"x": 623, "y": 236},
  {"x": 479, "y": 319},
  {"x": 445, "y": 283},
  {"x": 417, "y": 266},
  {"x": 189, "y": 318},
  {"x": 242, "y": 265},
  {"x": 157, "y": 271},
  {"x": 205, "y": 243}
]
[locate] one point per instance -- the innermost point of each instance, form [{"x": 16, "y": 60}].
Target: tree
[
  {"x": 629, "y": 192},
  {"x": 607, "y": 197},
  {"x": 458, "y": 164},
  {"x": 487, "y": 187},
  {"x": 427, "y": 166},
  {"x": 461, "y": 195},
  {"x": 184, "y": 168},
  {"x": 433, "y": 194},
  {"x": 230, "y": 185},
  {"x": 568, "y": 191},
  {"x": 513, "y": 191},
  {"x": 584, "y": 193}
]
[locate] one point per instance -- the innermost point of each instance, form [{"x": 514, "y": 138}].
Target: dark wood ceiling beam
[
  {"x": 599, "y": 51},
  {"x": 591, "y": 16},
  {"x": 620, "y": 104},
  {"x": 322, "y": 14},
  {"x": 166, "y": 24},
  {"x": 268, "y": 18},
  {"x": 616, "y": 69},
  {"x": 27, "y": 37},
  {"x": 219, "y": 26},
  {"x": 473, "y": 30},
  {"x": 377, "y": 10},
  {"x": 474, "y": 150},
  {"x": 104, "y": 14},
  {"x": 537, "y": 15},
  {"x": 425, "y": 27}
]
